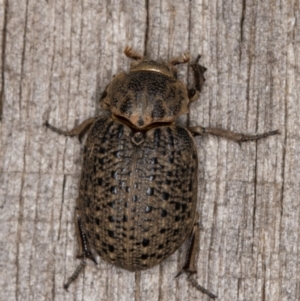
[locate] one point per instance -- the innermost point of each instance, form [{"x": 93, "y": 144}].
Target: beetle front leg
[
  {"x": 86, "y": 254},
  {"x": 199, "y": 79},
  {"x": 190, "y": 267},
  {"x": 79, "y": 130},
  {"x": 237, "y": 137}
]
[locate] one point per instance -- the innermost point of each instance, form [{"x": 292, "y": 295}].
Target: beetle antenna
[
  {"x": 129, "y": 52},
  {"x": 183, "y": 59}
]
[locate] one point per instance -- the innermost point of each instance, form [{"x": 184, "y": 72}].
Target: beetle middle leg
[
  {"x": 237, "y": 137},
  {"x": 190, "y": 266},
  {"x": 86, "y": 254}
]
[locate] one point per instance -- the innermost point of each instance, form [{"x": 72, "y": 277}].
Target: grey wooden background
[{"x": 56, "y": 58}]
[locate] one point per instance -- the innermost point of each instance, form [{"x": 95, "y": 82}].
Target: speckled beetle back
[{"x": 138, "y": 205}]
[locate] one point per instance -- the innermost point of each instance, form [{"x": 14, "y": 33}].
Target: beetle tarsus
[
  {"x": 195, "y": 283},
  {"x": 189, "y": 267},
  {"x": 199, "y": 287},
  {"x": 75, "y": 274}
]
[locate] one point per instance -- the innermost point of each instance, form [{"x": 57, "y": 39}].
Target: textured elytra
[{"x": 137, "y": 197}]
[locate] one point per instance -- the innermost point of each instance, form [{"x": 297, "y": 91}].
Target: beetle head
[{"x": 150, "y": 93}]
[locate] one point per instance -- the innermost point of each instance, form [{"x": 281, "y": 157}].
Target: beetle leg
[
  {"x": 79, "y": 130},
  {"x": 190, "y": 267},
  {"x": 86, "y": 254},
  {"x": 199, "y": 79},
  {"x": 237, "y": 137}
]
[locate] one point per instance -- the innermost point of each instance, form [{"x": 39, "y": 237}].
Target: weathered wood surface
[{"x": 56, "y": 58}]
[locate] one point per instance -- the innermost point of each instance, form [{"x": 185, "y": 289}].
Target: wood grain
[{"x": 56, "y": 58}]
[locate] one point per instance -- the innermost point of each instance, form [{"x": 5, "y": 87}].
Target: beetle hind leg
[
  {"x": 189, "y": 267},
  {"x": 86, "y": 254}
]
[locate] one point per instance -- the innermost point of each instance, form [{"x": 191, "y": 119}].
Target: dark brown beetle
[{"x": 138, "y": 189}]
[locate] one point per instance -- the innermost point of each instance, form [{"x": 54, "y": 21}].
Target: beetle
[{"x": 138, "y": 188}]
